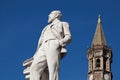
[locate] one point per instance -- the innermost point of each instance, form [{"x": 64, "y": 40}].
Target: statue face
[{"x": 52, "y": 17}]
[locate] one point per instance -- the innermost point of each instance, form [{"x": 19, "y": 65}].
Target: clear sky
[{"x": 21, "y": 22}]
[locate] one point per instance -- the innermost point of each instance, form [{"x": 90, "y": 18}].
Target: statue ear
[{"x": 57, "y": 15}]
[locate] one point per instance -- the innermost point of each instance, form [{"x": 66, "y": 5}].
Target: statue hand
[{"x": 62, "y": 43}]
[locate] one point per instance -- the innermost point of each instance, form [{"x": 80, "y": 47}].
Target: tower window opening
[
  {"x": 105, "y": 64},
  {"x": 98, "y": 63}
]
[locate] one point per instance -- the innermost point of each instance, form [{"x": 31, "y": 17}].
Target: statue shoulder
[
  {"x": 45, "y": 27},
  {"x": 65, "y": 24}
]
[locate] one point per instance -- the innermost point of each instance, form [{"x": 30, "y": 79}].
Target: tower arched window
[{"x": 98, "y": 63}]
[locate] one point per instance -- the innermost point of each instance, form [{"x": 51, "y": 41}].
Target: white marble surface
[{"x": 51, "y": 47}]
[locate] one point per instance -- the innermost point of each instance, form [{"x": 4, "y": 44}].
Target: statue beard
[{"x": 50, "y": 20}]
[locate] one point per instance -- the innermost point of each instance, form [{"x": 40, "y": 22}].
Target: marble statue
[{"x": 45, "y": 63}]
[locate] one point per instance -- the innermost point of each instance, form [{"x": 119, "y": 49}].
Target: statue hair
[{"x": 58, "y": 12}]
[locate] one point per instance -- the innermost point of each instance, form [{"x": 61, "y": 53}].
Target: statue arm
[
  {"x": 40, "y": 39},
  {"x": 67, "y": 35}
]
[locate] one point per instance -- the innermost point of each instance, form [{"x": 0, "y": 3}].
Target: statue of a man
[{"x": 51, "y": 46}]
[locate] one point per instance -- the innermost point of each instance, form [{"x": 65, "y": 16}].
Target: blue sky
[{"x": 21, "y": 22}]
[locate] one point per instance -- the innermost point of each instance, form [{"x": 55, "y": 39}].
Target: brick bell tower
[{"x": 99, "y": 56}]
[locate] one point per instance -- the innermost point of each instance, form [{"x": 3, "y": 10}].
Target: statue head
[{"x": 54, "y": 15}]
